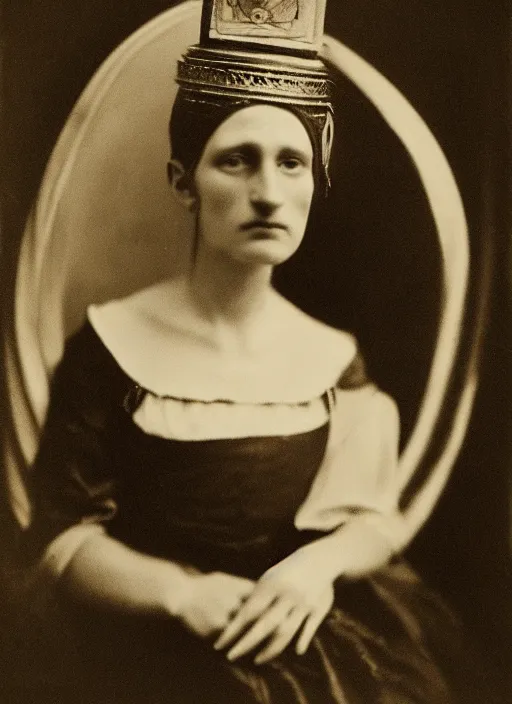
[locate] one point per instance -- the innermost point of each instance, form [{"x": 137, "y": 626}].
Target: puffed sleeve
[
  {"x": 358, "y": 479},
  {"x": 73, "y": 487}
]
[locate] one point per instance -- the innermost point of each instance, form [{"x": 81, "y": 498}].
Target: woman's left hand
[{"x": 296, "y": 594}]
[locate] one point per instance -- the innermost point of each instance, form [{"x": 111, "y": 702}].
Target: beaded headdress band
[{"x": 266, "y": 51}]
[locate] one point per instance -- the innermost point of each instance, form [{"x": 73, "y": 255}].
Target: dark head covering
[{"x": 250, "y": 55}]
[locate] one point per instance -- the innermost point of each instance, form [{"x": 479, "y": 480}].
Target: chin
[{"x": 267, "y": 252}]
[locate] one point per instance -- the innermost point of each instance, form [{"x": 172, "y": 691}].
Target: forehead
[{"x": 265, "y": 126}]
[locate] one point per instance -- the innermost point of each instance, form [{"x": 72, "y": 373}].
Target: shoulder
[
  {"x": 142, "y": 331},
  {"x": 336, "y": 361},
  {"x": 330, "y": 350},
  {"x": 373, "y": 412},
  {"x": 87, "y": 375},
  {"x": 148, "y": 307},
  {"x": 319, "y": 332},
  {"x": 126, "y": 326},
  {"x": 85, "y": 353}
]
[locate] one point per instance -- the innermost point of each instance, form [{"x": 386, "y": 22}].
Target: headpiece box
[{"x": 288, "y": 24}]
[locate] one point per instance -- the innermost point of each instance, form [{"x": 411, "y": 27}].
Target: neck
[{"x": 227, "y": 292}]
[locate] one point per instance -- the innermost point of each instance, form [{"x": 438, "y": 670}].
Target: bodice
[{"x": 218, "y": 504}]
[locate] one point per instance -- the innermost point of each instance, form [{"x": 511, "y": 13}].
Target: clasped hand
[{"x": 290, "y": 599}]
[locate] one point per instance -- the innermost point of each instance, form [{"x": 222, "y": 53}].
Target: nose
[{"x": 265, "y": 188}]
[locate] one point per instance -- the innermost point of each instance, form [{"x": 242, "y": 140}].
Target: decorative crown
[{"x": 259, "y": 49}]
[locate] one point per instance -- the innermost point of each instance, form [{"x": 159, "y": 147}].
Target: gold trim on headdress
[{"x": 249, "y": 75}]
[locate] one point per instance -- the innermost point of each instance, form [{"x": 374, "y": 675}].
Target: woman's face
[{"x": 254, "y": 185}]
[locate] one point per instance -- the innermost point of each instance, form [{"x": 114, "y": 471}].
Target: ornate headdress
[{"x": 255, "y": 51}]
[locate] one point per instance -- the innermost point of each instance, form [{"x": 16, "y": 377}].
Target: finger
[
  {"x": 250, "y": 611},
  {"x": 283, "y": 637},
  {"x": 232, "y": 610},
  {"x": 309, "y": 630},
  {"x": 245, "y": 589},
  {"x": 235, "y": 600},
  {"x": 263, "y": 627}
]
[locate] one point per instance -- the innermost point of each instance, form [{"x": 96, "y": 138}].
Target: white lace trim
[{"x": 176, "y": 419}]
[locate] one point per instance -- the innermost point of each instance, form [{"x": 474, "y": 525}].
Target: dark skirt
[
  {"x": 221, "y": 505},
  {"x": 387, "y": 640}
]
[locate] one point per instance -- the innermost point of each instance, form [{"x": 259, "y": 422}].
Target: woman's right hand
[{"x": 209, "y": 601}]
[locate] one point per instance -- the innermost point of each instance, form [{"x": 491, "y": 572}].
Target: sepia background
[{"x": 373, "y": 266}]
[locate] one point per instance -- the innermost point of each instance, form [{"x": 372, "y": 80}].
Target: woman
[{"x": 215, "y": 498}]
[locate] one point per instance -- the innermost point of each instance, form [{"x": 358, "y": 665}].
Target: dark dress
[{"x": 225, "y": 505}]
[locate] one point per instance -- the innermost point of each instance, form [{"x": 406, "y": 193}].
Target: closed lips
[{"x": 264, "y": 224}]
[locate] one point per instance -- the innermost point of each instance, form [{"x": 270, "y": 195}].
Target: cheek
[
  {"x": 217, "y": 197},
  {"x": 303, "y": 196}
]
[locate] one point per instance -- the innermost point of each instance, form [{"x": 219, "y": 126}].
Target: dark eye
[
  {"x": 292, "y": 163},
  {"x": 232, "y": 162}
]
